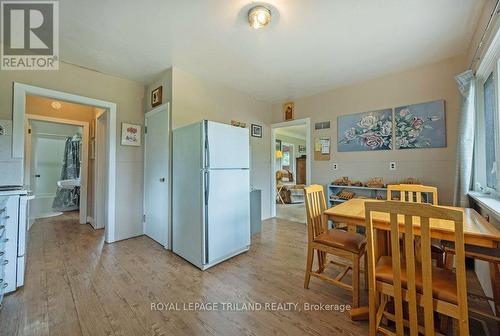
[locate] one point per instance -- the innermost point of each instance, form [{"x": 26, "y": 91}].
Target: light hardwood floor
[{"x": 78, "y": 285}]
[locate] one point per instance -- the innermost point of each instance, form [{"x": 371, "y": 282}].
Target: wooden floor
[{"x": 78, "y": 285}]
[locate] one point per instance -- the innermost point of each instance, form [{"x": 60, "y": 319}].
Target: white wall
[
  {"x": 425, "y": 83},
  {"x": 194, "y": 99},
  {"x": 129, "y": 97}
]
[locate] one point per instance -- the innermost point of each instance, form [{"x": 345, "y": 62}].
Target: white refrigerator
[{"x": 211, "y": 192}]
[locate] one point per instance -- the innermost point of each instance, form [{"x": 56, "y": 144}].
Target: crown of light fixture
[
  {"x": 56, "y": 105},
  {"x": 259, "y": 16}
]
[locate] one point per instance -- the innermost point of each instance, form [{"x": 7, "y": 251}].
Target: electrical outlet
[
  {"x": 392, "y": 165},
  {"x": 335, "y": 166}
]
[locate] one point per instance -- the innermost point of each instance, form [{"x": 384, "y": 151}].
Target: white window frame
[{"x": 490, "y": 64}]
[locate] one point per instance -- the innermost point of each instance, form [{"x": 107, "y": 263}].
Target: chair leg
[
  {"x": 321, "y": 262},
  {"x": 366, "y": 270},
  {"x": 439, "y": 259},
  {"x": 355, "y": 280},
  {"x": 310, "y": 258},
  {"x": 448, "y": 261},
  {"x": 443, "y": 323}
]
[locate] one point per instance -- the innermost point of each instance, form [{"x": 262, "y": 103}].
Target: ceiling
[
  {"x": 309, "y": 47},
  {"x": 297, "y": 131}
]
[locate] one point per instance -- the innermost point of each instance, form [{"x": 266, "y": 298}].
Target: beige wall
[
  {"x": 425, "y": 83},
  {"x": 164, "y": 79},
  {"x": 194, "y": 99},
  {"x": 129, "y": 97}
]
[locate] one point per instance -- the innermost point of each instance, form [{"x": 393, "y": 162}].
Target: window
[{"x": 489, "y": 130}]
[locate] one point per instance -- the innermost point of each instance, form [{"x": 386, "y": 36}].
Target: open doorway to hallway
[
  {"x": 60, "y": 161},
  {"x": 290, "y": 169}
]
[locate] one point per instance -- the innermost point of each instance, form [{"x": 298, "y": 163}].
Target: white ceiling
[
  {"x": 297, "y": 131},
  {"x": 310, "y": 46}
]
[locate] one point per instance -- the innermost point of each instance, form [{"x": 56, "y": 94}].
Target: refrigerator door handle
[
  {"x": 207, "y": 185},
  {"x": 207, "y": 195},
  {"x": 207, "y": 146}
]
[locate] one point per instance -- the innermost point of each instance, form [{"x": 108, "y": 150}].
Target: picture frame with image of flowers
[
  {"x": 366, "y": 131},
  {"x": 420, "y": 125}
]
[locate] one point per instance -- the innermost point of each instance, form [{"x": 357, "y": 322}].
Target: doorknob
[
  {"x": 37, "y": 175},
  {"x": 162, "y": 179}
]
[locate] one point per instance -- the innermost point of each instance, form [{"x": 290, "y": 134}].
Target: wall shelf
[{"x": 366, "y": 192}]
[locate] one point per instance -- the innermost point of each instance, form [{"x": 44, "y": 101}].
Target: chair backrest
[
  {"x": 412, "y": 193},
  {"x": 424, "y": 214},
  {"x": 315, "y": 205}
]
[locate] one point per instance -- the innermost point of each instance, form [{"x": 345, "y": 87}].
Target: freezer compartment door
[
  {"x": 228, "y": 146},
  {"x": 228, "y": 215}
]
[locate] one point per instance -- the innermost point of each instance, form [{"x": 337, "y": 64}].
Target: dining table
[{"x": 477, "y": 231}]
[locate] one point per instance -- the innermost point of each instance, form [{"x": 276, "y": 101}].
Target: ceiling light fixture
[
  {"x": 56, "y": 105},
  {"x": 259, "y": 16}
]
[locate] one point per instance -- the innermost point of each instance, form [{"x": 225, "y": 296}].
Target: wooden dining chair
[
  {"x": 407, "y": 281},
  {"x": 413, "y": 193},
  {"x": 348, "y": 245},
  {"x": 417, "y": 193}
]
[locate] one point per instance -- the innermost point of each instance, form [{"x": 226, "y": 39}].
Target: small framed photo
[
  {"x": 302, "y": 149},
  {"x": 131, "y": 135},
  {"x": 256, "y": 131},
  {"x": 156, "y": 96},
  {"x": 288, "y": 111}
]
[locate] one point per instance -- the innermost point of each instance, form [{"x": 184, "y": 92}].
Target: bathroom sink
[{"x": 68, "y": 184}]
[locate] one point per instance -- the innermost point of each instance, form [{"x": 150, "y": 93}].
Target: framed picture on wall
[
  {"x": 131, "y": 135},
  {"x": 156, "y": 96},
  {"x": 256, "y": 131},
  {"x": 288, "y": 111}
]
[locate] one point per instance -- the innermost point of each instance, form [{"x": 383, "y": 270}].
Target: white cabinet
[
  {"x": 13, "y": 227},
  {"x": 11, "y": 219}
]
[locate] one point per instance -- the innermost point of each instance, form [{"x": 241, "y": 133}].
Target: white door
[
  {"x": 101, "y": 173},
  {"x": 156, "y": 173},
  {"x": 229, "y": 146},
  {"x": 228, "y": 212}
]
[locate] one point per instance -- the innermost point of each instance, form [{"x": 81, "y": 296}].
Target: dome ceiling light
[
  {"x": 56, "y": 105},
  {"x": 259, "y": 16}
]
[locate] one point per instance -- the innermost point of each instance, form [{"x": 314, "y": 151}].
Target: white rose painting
[
  {"x": 420, "y": 125},
  {"x": 365, "y": 131}
]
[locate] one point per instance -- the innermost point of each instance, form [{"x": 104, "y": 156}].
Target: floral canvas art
[
  {"x": 420, "y": 125},
  {"x": 365, "y": 131},
  {"x": 131, "y": 135}
]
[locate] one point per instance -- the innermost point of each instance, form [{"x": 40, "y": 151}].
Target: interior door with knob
[{"x": 156, "y": 175}]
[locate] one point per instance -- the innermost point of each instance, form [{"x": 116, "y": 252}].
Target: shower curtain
[{"x": 69, "y": 199}]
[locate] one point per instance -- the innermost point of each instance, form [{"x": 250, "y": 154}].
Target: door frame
[
  {"x": 274, "y": 127},
  {"x": 98, "y": 179},
  {"x": 85, "y": 158},
  {"x": 20, "y": 91},
  {"x": 162, "y": 107}
]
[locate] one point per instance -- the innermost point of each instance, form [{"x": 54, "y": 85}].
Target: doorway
[
  {"x": 290, "y": 168},
  {"x": 56, "y": 165},
  {"x": 21, "y": 91},
  {"x": 156, "y": 175}
]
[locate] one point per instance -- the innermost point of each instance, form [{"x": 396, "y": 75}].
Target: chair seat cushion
[
  {"x": 444, "y": 284},
  {"x": 344, "y": 240}
]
